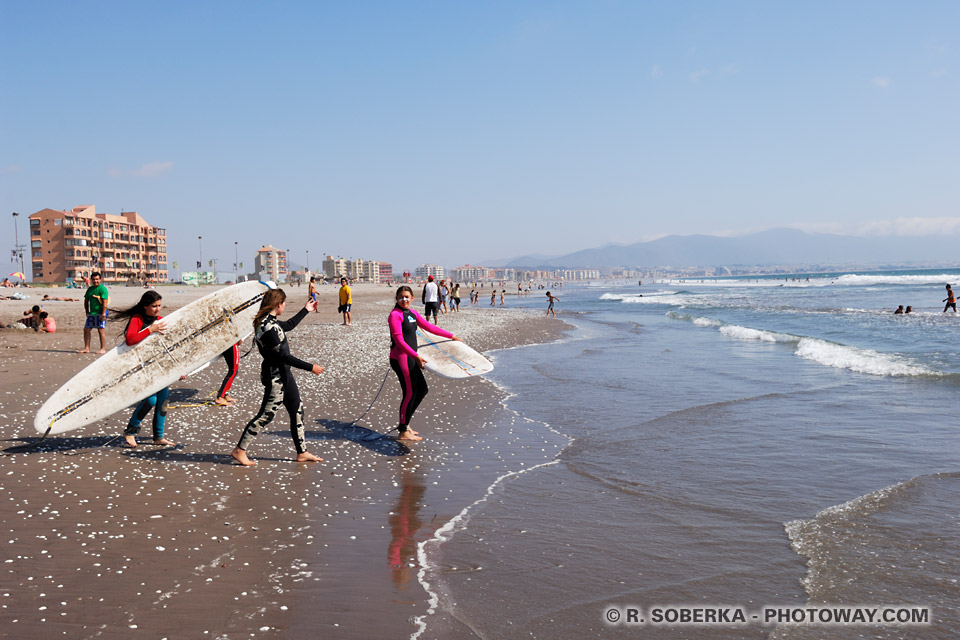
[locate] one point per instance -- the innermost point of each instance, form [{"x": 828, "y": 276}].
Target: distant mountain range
[{"x": 774, "y": 247}]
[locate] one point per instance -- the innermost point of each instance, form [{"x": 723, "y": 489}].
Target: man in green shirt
[{"x": 95, "y": 305}]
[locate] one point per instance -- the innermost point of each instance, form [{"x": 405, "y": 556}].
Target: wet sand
[{"x": 103, "y": 541}]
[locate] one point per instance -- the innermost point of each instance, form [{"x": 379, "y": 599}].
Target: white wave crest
[
  {"x": 860, "y": 360},
  {"x": 748, "y": 334},
  {"x": 854, "y": 279},
  {"x": 706, "y": 322}
]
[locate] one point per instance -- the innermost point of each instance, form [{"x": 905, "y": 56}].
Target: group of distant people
[{"x": 950, "y": 300}]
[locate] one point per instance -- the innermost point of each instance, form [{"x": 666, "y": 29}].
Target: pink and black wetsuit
[{"x": 403, "y": 359}]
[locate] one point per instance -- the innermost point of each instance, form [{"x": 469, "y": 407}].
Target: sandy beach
[{"x": 103, "y": 541}]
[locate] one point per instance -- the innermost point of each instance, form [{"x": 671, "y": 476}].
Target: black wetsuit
[{"x": 278, "y": 382}]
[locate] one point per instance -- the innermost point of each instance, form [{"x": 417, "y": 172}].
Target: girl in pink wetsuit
[{"x": 404, "y": 359}]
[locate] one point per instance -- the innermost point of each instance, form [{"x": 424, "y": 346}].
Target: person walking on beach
[
  {"x": 551, "y": 299},
  {"x": 404, "y": 359},
  {"x": 279, "y": 385},
  {"x": 455, "y": 297},
  {"x": 493, "y": 298},
  {"x": 346, "y": 302},
  {"x": 144, "y": 319},
  {"x": 95, "y": 305},
  {"x": 232, "y": 357},
  {"x": 444, "y": 295},
  {"x": 503, "y": 292},
  {"x": 951, "y": 300},
  {"x": 430, "y": 298},
  {"x": 312, "y": 291}
]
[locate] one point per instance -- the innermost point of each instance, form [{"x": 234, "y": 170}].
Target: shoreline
[{"x": 113, "y": 541}]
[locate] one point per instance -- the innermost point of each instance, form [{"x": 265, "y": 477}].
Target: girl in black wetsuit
[{"x": 279, "y": 386}]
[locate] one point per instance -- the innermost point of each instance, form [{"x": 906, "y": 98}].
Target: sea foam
[{"x": 861, "y": 360}]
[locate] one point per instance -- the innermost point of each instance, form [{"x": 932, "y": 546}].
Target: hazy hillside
[{"x": 777, "y": 246}]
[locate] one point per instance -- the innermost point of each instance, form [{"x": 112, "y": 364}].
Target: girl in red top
[{"x": 143, "y": 319}]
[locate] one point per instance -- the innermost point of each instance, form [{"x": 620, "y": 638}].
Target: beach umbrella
[{"x": 19, "y": 274}]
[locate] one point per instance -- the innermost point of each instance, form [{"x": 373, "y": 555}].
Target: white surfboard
[
  {"x": 449, "y": 358},
  {"x": 195, "y": 335}
]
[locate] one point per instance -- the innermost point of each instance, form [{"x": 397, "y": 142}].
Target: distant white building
[
  {"x": 425, "y": 270},
  {"x": 270, "y": 263},
  {"x": 469, "y": 273}
]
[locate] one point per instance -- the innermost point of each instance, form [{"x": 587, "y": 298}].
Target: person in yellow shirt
[{"x": 346, "y": 301}]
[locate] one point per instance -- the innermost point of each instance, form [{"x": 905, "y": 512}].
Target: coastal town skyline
[{"x": 466, "y": 134}]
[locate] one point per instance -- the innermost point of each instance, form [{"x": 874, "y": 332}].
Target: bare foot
[
  {"x": 229, "y": 398},
  {"x": 84, "y": 351},
  {"x": 241, "y": 456},
  {"x": 131, "y": 441},
  {"x": 223, "y": 402},
  {"x": 407, "y": 437},
  {"x": 102, "y": 351},
  {"x": 306, "y": 456},
  {"x": 164, "y": 442}
]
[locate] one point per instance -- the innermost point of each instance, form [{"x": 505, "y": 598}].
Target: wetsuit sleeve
[
  {"x": 423, "y": 324},
  {"x": 271, "y": 341},
  {"x": 395, "y": 321},
  {"x": 136, "y": 332},
  {"x": 291, "y": 324}
]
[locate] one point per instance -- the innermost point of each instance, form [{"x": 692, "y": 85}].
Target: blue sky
[{"x": 458, "y": 132}]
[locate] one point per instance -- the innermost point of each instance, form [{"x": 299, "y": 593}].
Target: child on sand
[
  {"x": 404, "y": 359},
  {"x": 313, "y": 291},
  {"x": 48, "y": 324},
  {"x": 279, "y": 385},
  {"x": 144, "y": 319}
]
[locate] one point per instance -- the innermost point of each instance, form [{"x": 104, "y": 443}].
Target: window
[
  {"x": 58, "y": 222},
  {"x": 34, "y": 223},
  {"x": 35, "y": 244}
]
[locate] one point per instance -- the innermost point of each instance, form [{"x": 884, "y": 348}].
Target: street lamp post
[
  {"x": 236, "y": 262},
  {"x": 308, "y": 260},
  {"x": 200, "y": 261},
  {"x": 17, "y": 247}
]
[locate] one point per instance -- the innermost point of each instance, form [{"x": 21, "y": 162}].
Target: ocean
[{"x": 731, "y": 444}]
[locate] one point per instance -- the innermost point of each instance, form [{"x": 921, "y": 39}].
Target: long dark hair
[
  {"x": 139, "y": 309},
  {"x": 401, "y": 289},
  {"x": 271, "y": 300}
]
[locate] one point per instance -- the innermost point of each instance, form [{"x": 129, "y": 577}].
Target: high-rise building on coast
[
  {"x": 425, "y": 270},
  {"x": 270, "y": 263},
  {"x": 70, "y": 245}
]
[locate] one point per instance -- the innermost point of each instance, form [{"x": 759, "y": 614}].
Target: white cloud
[
  {"x": 656, "y": 72},
  {"x": 730, "y": 70},
  {"x": 912, "y": 227},
  {"x": 148, "y": 170},
  {"x": 881, "y": 82},
  {"x": 699, "y": 73},
  {"x": 938, "y": 73},
  {"x": 900, "y": 227}
]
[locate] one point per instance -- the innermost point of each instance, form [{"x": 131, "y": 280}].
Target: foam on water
[
  {"x": 860, "y": 360},
  {"x": 865, "y": 280},
  {"x": 829, "y": 354}
]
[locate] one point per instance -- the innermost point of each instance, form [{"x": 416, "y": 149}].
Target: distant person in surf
[
  {"x": 899, "y": 310},
  {"x": 551, "y": 299},
  {"x": 951, "y": 300},
  {"x": 909, "y": 309}
]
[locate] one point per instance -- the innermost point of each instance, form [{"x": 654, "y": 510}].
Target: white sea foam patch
[
  {"x": 860, "y": 360},
  {"x": 748, "y": 334},
  {"x": 699, "y": 321},
  {"x": 854, "y": 279},
  {"x": 631, "y": 297}
]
